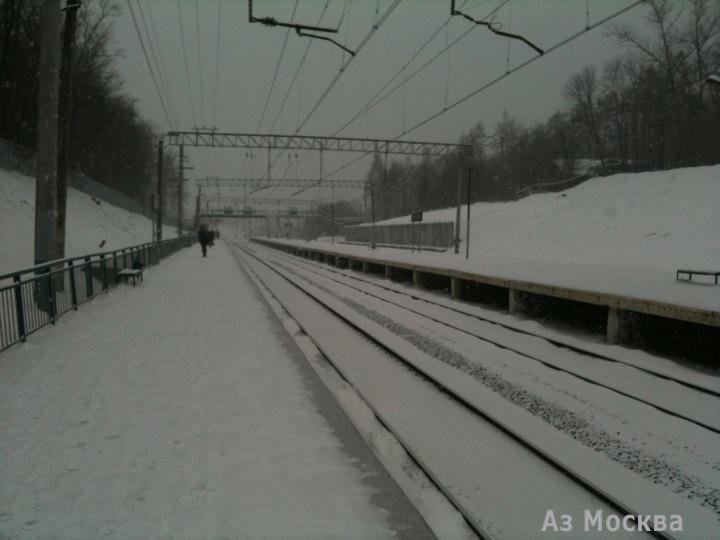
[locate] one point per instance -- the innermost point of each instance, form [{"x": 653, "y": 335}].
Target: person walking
[{"x": 205, "y": 237}]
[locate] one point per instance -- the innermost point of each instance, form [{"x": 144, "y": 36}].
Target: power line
[
  {"x": 149, "y": 65},
  {"x": 159, "y": 65},
  {"x": 200, "y": 80},
  {"x": 277, "y": 67},
  {"x": 217, "y": 60},
  {"x": 297, "y": 71},
  {"x": 522, "y": 65},
  {"x": 344, "y": 67},
  {"x": 401, "y": 70},
  {"x": 187, "y": 64},
  {"x": 484, "y": 87},
  {"x": 370, "y": 104}
]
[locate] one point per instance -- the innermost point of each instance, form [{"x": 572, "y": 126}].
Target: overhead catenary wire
[
  {"x": 187, "y": 64},
  {"x": 150, "y": 68},
  {"x": 199, "y": 62},
  {"x": 522, "y": 65},
  {"x": 375, "y": 27},
  {"x": 277, "y": 68},
  {"x": 156, "y": 53},
  {"x": 491, "y": 83},
  {"x": 397, "y": 73},
  {"x": 218, "y": 34},
  {"x": 372, "y": 104},
  {"x": 344, "y": 67},
  {"x": 297, "y": 71}
]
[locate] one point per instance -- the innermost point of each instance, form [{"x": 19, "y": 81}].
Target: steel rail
[
  {"x": 551, "y": 460},
  {"x": 504, "y": 346},
  {"x": 556, "y": 342}
]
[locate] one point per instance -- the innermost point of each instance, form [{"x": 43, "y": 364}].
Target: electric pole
[
  {"x": 198, "y": 208},
  {"x": 467, "y": 234},
  {"x": 457, "y": 212},
  {"x": 181, "y": 194},
  {"x": 159, "y": 218},
  {"x": 46, "y": 209},
  {"x": 65, "y": 114}
]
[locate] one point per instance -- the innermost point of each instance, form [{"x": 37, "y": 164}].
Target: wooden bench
[
  {"x": 127, "y": 273},
  {"x": 691, "y": 273}
]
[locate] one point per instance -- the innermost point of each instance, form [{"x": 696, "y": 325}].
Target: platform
[
  {"x": 181, "y": 409},
  {"x": 643, "y": 291}
]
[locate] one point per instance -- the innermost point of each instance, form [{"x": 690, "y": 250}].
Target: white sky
[{"x": 249, "y": 54}]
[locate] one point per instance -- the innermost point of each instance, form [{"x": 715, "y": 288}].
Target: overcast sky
[{"x": 228, "y": 88}]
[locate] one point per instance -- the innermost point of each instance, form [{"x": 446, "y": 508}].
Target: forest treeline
[
  {"x": 646, "y": 109},
  {"x": 110, "y": 141}
]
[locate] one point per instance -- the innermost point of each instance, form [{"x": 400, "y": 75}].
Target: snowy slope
[
  {"x": 656, "y": 220},
  {"x": 88, "y": 223}
]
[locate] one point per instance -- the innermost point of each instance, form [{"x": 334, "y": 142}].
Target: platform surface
[
  {"x": 695, "y": 302},
  {"x": 181, "y": 409}
]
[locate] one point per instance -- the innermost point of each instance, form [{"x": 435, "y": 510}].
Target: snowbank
[
  {"x": 658, "y": 220},
  {"x": 88, "y": 223}
]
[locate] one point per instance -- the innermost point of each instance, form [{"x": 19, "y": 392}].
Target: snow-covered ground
[
  {"x": 88, "y": 223},
  {"x": 485, "y": 472},
  {"x": 661, "y": 220},
  {"x": 178, "y": 409},
  {"x": 659, "y": 286}
]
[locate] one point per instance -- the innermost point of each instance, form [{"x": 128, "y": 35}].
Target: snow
[
  {"x": 175, "y": 409},
  {"x": 659, "y": 286},
  {"x": 660, "y": 221},
  {"x": 88, "y": 223},
  {"x": 381, "y": 381}
]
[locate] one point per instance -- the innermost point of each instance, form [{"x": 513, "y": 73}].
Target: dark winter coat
[{"x": 205, "y": 237}]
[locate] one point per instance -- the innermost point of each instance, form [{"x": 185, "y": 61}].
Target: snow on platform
[
  {"x": 624, "y": 234},
  {"x": 179, "y": 409},
  {"x": 631, "y": 283}
]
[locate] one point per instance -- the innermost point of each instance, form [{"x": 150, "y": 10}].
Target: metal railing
[{"x": 37, "y": 296}]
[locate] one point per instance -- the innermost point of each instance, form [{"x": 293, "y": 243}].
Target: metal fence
[{"x": 32, "y": 298}]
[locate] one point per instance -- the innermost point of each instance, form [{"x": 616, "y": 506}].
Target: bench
[
  {"x": 690, "y": 273},
  {"x": 127, "y": 273}
]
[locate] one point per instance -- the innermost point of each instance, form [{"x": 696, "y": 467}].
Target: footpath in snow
[{"x": 179, "y": 408}]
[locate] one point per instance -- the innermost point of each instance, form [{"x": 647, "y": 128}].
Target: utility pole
[
  {"x": 65, "y": 114},
  {"x": 198, "y": 209},
  {"x": 153, "y": 215},
  {"x": 332, "y": 213},
  {"x": 181, "y": 193},
  {"x": 159, "y": 219},
  {"x": 467, "y": 233},
  {"x": 46, "y": 216},
  {"x": 372, "y": 212},
  {"x": 457, "y": 212}
]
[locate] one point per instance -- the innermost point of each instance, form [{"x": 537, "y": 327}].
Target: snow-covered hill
[
  {"x": 656, "y": 220},
  {"x": 88, "y": 223}
]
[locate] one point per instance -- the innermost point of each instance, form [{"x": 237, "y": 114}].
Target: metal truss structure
[
  {"x": 213, "y": 139},
  {"x": 225, "y": 200},
  {"x": 216, "y": 214},
  {"x": 260, "y": 183}
]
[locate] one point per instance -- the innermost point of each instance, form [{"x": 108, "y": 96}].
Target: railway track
[
  {"x": 596, "y": 485},
  {"x": 706, "y": 414},
  {"x": 700, "y": 384}
]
